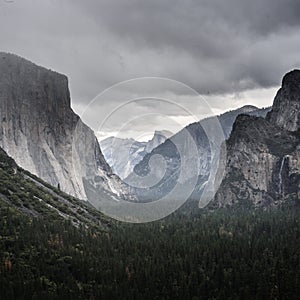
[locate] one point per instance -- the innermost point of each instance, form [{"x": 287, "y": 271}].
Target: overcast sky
[{"x": 232, "y": 52}]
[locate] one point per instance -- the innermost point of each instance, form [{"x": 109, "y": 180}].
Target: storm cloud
[{"x": 222, "y": 49}]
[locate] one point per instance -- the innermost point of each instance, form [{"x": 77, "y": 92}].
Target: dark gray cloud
[{"x": 215, "y": 46}]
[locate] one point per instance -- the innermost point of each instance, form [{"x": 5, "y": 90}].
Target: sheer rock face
[
  {"x": 286, "y": 107},
  {"x": 263, "y": 155},
  {"x": 42, "y": 133}
]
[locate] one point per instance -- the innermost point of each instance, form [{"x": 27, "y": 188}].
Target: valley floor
[{"x": 220, "y": 255}]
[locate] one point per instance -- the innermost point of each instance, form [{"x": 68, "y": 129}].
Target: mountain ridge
[
  {"x": 124, "y": 154},
  {"x": 170, "y": 154}
]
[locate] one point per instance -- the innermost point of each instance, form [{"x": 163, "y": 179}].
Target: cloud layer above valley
[{"x": 233, "y": 52}]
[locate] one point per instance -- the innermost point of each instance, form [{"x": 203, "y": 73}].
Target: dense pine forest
[
  {"x": 219, "y": 255},
  {"x": 54, "y": 247}
]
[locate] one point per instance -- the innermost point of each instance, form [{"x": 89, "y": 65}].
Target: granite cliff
[
  {"x": 263, "y": 155},
  {"x": 43, "y": 134}
]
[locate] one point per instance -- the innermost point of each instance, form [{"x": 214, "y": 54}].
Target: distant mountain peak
[
  {"x": 164, "y": 133},
  {"x": 124, "y": 154},
  {"x": 169, "y": 152},
  {"x": 248, "y": 107}
]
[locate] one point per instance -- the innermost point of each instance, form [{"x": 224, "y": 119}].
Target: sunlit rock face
[
  {"x": 42, "y": 133},
  {"x": 263, "y": 164}
]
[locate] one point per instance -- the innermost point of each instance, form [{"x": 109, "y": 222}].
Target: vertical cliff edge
[
  {"x": 43, "y": 134},
  {"x": 263, "y": 155}
]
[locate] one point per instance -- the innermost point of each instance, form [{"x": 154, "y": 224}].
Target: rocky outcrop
[
  {"x": 286, "y": 108},
  {"x": 42, "y": 133},
  {"x": 263, "y": 155}
]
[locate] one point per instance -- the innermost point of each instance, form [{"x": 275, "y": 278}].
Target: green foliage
[
  {"x": 220, "y": 255},
  {"x": 53, "y": 246},
  {"x": 32, "y": 196}
]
